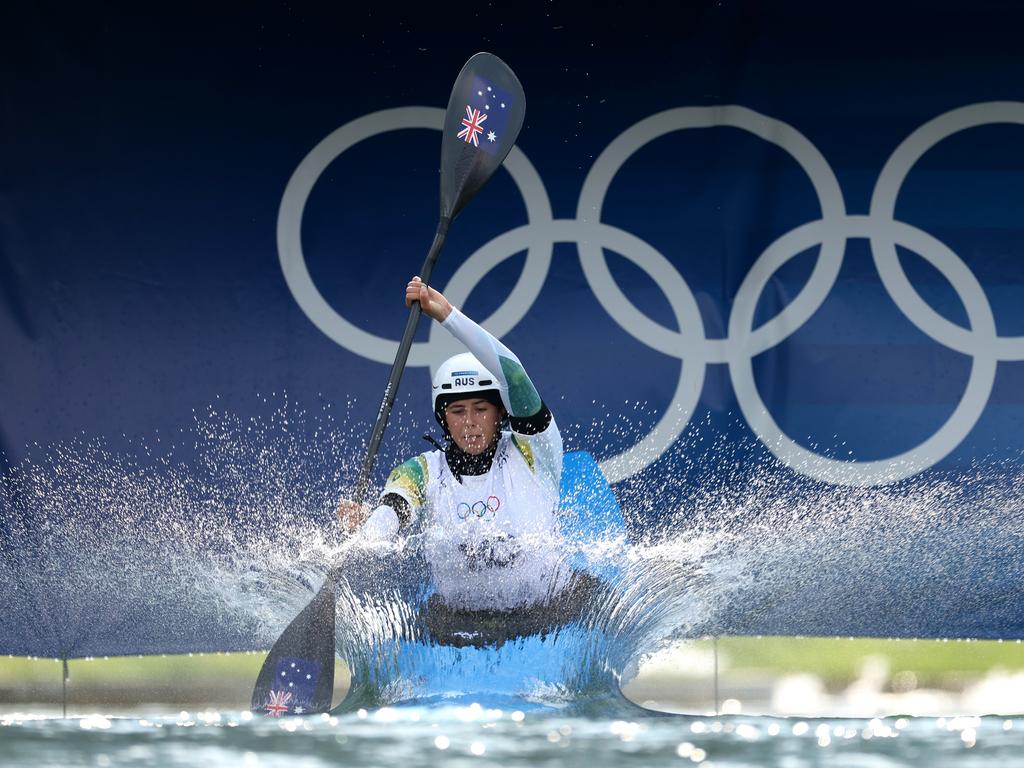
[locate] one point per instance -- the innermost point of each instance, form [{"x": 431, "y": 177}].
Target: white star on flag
[{"x": 491, "y": 136}]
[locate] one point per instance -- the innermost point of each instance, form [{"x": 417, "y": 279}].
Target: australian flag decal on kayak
[
  {"x": 294, "y": 687},
  {"x": 486, "y": 117}
]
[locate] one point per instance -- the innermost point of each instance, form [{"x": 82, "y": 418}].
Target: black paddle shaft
[
  {"x": 398, "y": 367},
  {"x": 485, "y": 112},
  {"x": 484, "y": 115}
]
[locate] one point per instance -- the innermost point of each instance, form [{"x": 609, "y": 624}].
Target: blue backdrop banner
[{"x": 765, "y": 264}]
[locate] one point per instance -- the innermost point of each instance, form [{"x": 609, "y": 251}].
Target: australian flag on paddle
[
  {"x": 294, "y": 687},
  {"x": 486, "y": 117}
]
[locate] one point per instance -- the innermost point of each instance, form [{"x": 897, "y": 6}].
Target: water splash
[{"x": 217, "y": 539}]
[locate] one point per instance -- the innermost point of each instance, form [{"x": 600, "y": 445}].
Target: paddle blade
[
  {"x": 485, "y": 113},
  {"x": 297, "y": 677}
]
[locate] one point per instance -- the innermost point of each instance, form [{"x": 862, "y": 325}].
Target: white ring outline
[
  {"x": 293, "y": 203},
  {"x": 883, "y": 206},
  {"x": 776, "y": 132},
  {"x": 922, "y": 456}
]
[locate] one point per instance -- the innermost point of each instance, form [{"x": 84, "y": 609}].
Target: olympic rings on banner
[
  {"x": 690, "y": 344},
  {"x": 293, "y": 261},
  {"x": 483, "y": 510}
]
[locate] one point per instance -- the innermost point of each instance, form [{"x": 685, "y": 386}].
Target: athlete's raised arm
[
  {"x": 527, "y": 413},
  {"x": 530, "y": 419}
]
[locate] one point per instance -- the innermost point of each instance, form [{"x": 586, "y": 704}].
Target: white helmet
[{"x": 460, "y": 377}]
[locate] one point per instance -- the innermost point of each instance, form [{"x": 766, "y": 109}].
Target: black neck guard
[{"x": 462, "y": 463}]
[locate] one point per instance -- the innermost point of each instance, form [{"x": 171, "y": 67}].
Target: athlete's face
[{"x": 473, "y": 423}]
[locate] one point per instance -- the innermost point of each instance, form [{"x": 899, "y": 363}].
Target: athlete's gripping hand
[
  {"x": 431, "y": 302},
  {"x": 351, "y": 515}
]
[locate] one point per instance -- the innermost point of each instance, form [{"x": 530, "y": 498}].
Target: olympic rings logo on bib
[
  {"x": 688, "y": 341},
  {"x": 482, "y": 510}
]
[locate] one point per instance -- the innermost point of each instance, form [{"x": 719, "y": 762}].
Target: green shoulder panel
[
  {"x": 522, "y": 395},
  {"x": 411, "y": 478}
]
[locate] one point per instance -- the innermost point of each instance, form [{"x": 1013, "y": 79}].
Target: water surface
[{"x": 474, "y": 735}]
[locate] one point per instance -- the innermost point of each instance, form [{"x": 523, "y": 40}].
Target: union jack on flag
[
  {"x": 278, "y": 703},
  {"x": 473, "y": 122}
]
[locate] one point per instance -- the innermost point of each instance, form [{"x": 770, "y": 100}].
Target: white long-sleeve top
[{"x": 492, "y": 540}]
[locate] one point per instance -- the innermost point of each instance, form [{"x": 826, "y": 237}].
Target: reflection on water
[{"x": 474, "y": 734}]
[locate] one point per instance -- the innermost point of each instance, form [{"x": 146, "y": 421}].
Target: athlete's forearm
[
  {"x": 517, "y": 391},
  {"x": 382, "y": 524}
]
